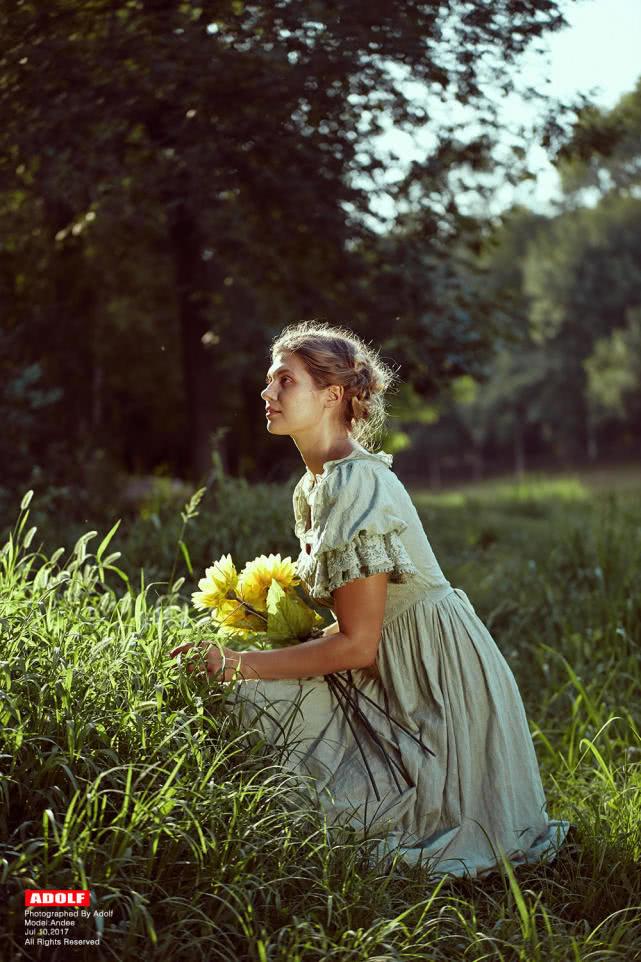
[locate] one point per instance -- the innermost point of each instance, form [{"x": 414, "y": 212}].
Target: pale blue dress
[{"x": 438, "y": 672}]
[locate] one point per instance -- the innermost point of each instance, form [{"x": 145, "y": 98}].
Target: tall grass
[{"x": 120, "y": 774}]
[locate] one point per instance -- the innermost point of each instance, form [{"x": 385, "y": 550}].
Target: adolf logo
[{"x": 56, "y": 897}]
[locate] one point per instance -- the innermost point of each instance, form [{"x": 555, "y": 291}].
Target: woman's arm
[{"x": 352, "y": 643}]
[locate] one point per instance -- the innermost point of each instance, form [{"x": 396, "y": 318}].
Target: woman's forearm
[{"x": 332, "y": 651}]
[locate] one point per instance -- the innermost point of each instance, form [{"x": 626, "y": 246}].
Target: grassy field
[{"x": 120, "y": 775}]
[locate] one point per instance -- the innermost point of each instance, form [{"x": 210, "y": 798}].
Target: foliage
[
  {"x": 235, "y": 517},
  {"x": 212, "y": 178},
  {"x": 614, "y": 369},
  {"x": 603, "y": 152},
  {"x": 567, "y": 380},
  {"x": 565, "y": 292},
  {"x": 582, "y": 278},
  {"x": 121, "y": 775}
]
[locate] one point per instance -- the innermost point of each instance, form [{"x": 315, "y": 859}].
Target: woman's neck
[{"x": 316, "y": 455}]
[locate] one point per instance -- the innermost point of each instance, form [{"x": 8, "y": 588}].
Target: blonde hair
[{"x": 335, "y": 355}]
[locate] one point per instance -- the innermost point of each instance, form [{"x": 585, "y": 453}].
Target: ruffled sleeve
[{"x": 356, "y": 529}]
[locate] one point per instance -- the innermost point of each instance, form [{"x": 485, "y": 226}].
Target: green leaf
[
  {"x": 288, "y": 617},
  {"x": 237, "y": 641},
  {"x": 183, "y": 548},
  {"x": 118, "y": 571},
  {"x": 105, "y": 541},
  {"x": 526, "y": 920}
]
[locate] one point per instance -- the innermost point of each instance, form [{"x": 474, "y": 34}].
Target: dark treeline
[{"x": 178, "y": 181}]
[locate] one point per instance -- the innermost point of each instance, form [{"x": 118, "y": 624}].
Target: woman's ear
[{"x": 335, "y": 394}]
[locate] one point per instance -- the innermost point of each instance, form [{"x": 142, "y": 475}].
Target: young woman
[{"x": 403, "y": 714}]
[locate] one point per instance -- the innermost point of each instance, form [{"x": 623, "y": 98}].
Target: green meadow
[{"x": 121, "y": 774}]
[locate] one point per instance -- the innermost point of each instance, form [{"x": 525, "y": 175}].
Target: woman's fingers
[
  {"x": 212, "y": 657},
  {"x": 181, "y": 648}
]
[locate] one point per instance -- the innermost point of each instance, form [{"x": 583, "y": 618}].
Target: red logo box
[{"x": 56, "y": 898}]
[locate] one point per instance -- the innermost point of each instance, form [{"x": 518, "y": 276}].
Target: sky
[{"x": 598, "y": 54}]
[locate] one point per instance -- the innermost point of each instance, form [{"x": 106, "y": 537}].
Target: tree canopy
[
  {"x": 603, "y": 151},
  {"x": 178, "y": 180},
  {"x": 569, "y": 381}
]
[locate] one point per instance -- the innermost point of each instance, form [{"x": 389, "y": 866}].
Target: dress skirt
[{"x": 457, "y": 809}]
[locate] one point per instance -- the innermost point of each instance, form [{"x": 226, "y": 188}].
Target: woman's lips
[{"x": 271, "y": 411}]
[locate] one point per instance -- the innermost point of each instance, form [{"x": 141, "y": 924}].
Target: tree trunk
[
  {"x": 519, "y": 446},
  {"x": 204, "y": 403},
  {"x": 97, "y": 382},
  {"x": 476, "y": 455},
  {"x": 435, "y": 471},
  {"x": 593, "y": 449},
  {"x": 71, "y": 320}
]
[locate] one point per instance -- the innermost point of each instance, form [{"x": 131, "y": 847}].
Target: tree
[
  {"x": 229, "y": 142},
  {"x": 613, "y": 373},
  {"x": 582, "y": 277},
  {"x": 565, "y": 372},
  {"x": 505, "y": 402},
  {"x": 603, "y": 151}
]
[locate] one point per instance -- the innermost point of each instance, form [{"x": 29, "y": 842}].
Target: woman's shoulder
[
  {"x": 362, "y": 470},
  {"x": 358, "y": 463},
  {"x": 360, "y": 485},
  {"x": 362, "y": 481},
  {"x": 361, "y": 495}
]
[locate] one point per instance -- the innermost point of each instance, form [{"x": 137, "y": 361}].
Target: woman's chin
[{"x": 275, "y": 429}]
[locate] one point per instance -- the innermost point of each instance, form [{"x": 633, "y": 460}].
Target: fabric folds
[
  {"x": 365, "y": 555},
  {"x": 439, "y": 681},
  {"x": 342, "y": 509}
]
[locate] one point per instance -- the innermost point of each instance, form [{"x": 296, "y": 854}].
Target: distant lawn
[{"x": 564, "y": 486}]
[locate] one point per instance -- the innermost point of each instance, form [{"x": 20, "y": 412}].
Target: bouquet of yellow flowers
[{"x": 260, "y": 604}]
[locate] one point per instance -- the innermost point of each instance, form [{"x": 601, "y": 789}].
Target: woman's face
[{"x": 293, "y": 402}]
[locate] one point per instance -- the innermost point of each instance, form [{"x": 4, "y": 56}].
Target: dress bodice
[{"x": 356, "y": 519}]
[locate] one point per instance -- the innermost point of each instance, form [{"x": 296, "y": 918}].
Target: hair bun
[
  {"x": 363, "y": 385},
  {"x": 361, "y": 410}
]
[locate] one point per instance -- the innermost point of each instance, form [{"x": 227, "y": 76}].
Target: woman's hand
[{"x": 213, "y": 660}]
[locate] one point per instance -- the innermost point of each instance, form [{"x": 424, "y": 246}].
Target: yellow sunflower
[
  {"x": 257, "y": 576},
  {"x": 219, "y": 580},
  {"x": 233, "y": 615}
]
